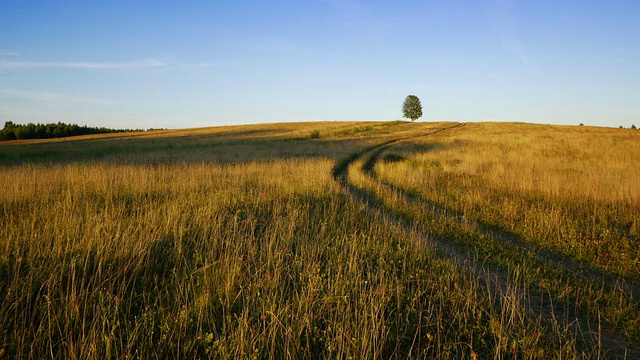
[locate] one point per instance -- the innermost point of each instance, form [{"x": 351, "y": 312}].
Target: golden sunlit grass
[
  {"x": 573, "y": 189},
  {"x": 237, "y": 242},
  {"x": 570, "y": 192}
]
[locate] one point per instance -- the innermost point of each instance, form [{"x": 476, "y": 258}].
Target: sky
[{"x": 181, "y": 64}]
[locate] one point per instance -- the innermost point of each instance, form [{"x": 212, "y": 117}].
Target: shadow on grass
[
  {"x": 547, "y": 308},
  {"x": 236, "y": 144},
  {"x": 171, "y": 150},
  {"x": 572, "y": 267}
]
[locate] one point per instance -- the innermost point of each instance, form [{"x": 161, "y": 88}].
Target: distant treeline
[{"x": 13, "y": 131}]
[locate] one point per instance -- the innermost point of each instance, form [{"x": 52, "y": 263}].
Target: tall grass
[
  {"x": 463, "y": 198},
  {"x": 171, "y": 252},
  {"x": 575, "y": 190}
]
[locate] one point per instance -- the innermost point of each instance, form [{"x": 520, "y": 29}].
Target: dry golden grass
[
  {"x": 238, "y": 242},
  {"x": 516, "y": 195},
  {"x": 573, "y": 189}
]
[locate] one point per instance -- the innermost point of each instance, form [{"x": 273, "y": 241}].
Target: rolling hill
[{"x": 323, "y": 240}]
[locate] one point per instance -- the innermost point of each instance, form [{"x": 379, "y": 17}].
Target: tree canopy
[
  {"x": 411, "y": 108},
  {"x": 13, "y": 131}
]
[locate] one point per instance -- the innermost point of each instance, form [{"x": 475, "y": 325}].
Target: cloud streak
[
  {"x": 54, "y": 97},
  {"x": 504, "y": 23},
  {"x": 26, "y": 65},
  {"x": 9, "y": 53}
]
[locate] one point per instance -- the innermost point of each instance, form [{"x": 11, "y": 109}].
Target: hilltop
[{"x": 323, "y": 240}]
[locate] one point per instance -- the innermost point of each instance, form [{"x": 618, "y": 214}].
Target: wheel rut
[
  {"x": 568, "y": 265},
  {"x": 538, "y": 305}
]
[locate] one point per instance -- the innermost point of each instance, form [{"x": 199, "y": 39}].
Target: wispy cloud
[
  {"x": 54, "y": 97},
  {"x": 9, "y": 53},
  {"x": 501, "y": 15},
  {"x": 21, "y": 65}
]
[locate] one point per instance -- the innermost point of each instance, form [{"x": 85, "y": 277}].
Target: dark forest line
[{"x": 13, "y": 131}]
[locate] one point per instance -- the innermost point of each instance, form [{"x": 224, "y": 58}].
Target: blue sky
[{"x": 179, "y": 64}]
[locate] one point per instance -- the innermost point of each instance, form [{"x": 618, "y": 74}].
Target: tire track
[
  {"x": 568, "y": 265},
  {"x": 539, "y": 306}
]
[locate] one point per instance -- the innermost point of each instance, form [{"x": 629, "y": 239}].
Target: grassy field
[{"x": 323, "y": 240}]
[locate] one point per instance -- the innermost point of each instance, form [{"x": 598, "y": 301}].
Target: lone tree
[{"x": 412, "y": 109}]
